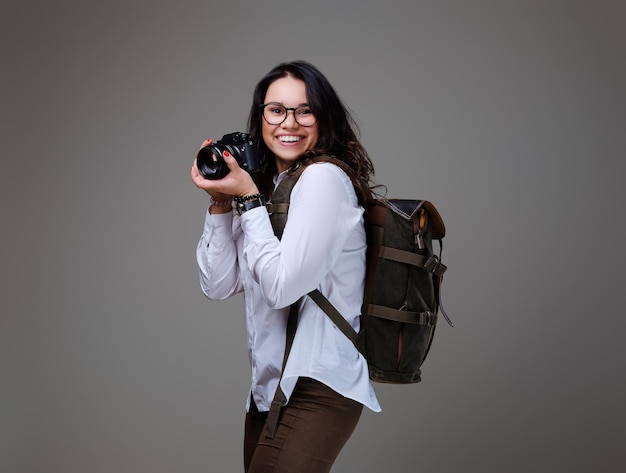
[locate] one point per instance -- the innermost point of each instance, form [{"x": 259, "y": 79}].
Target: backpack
[{"x": 402, "y": 283}]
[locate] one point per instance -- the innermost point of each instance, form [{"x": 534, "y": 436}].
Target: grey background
[{"x": 508, "y": 115}]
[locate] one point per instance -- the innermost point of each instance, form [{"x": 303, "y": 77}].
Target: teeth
[{"x": 289, "y": 139}]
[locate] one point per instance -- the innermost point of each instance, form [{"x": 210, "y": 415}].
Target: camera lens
[{"x": 210, "y": 163}]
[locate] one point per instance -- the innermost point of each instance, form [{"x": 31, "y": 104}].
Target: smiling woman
[
  {"x": 288, "y": 136},
  {"x": 324, "y": 383}
]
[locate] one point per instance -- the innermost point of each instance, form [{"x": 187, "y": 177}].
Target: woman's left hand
[{"x": 236, "y": 183}]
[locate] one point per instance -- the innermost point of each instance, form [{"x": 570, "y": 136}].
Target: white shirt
[{"x": 323, "y": 246}]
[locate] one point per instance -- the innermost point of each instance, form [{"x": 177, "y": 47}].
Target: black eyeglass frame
[{"x": 287, "y": 109}]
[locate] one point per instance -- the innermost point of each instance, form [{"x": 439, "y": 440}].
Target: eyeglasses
[{"x": 274, "y": 114}]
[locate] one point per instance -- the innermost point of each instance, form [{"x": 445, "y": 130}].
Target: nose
[{"x": 290, "y": 120}]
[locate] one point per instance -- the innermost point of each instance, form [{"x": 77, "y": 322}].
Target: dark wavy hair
[{"x": 338, "y": 131}]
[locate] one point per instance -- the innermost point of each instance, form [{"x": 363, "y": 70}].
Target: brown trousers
[{"x": 313, "y": 428}]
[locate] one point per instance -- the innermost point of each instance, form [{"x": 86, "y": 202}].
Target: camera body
[{"x": 210, "y": 159}]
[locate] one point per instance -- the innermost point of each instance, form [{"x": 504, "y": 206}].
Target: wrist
[
  {"x": 221, "y": 202},
  {"x": 249, "y": 202},
  {"x": 252, "y": 190},
  {"x": 240, "y": 199},
  {"x": 220, "y": 206}
]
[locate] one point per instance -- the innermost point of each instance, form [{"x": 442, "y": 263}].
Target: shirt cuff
[
  {"x": 256, "y": 224},
  {"x": 218, "y": 225}
]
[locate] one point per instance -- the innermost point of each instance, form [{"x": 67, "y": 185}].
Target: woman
[{"x": 295, "y": 114}]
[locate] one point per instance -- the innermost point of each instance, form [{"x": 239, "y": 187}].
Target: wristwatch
[{"x": 249, "y": 202}]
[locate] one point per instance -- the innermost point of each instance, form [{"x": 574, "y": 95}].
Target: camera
[{"x": 210, "y": 159}]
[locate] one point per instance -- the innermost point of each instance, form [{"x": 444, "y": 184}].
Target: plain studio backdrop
[{"x": 508, "y": 115}]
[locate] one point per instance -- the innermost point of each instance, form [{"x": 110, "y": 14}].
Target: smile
[{"x": 289, "y": 139}]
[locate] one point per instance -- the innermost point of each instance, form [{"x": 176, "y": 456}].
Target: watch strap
[{"x": 245, "y": 205}]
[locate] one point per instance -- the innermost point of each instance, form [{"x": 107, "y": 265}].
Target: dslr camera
[{"x": 210, "y": 159}]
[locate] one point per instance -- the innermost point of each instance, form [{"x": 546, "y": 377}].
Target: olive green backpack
[{"x": 402, "y": 296}]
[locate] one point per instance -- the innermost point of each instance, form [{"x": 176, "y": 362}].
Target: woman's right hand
[{"x": 205, "y": 184}]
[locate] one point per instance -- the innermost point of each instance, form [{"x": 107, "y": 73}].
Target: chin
[{"x": 289, "y": 155}]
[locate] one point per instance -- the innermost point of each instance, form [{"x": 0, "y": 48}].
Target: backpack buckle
[
  {"x": 427, "y": 318},
  {"x": 435, "y": 266},
  {"x": 432, "y": 264}
]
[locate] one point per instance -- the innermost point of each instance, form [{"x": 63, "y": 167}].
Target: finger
[
  {"x": 194, "y": 167},
  {"x": 206, "y": 142},
  {"x": 196, "y": 177},
  {"x": 230, "y": 161}
]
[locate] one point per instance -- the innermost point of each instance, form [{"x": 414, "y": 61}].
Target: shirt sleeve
[
  {"x": 323, "y": 208},
  {"x": 217, "y": 257}
]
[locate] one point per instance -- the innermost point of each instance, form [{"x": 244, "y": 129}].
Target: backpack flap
[{"x": 409, "y": 209}]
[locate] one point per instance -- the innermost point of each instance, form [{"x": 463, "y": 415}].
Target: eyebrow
[{"x": 304, "y": 104}]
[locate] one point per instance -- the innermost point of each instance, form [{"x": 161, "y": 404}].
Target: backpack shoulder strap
[
  {"x": 278, "y": 205},
  {"x": 279, "y": 400},
  {"x": 338, "y": 319}
]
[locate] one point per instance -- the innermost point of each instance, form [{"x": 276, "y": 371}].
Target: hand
[
  {"x": 201, "y": 182},
  {"x": 236, "y": 183}
]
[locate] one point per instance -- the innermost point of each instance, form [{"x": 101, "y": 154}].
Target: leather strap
[
  {"x": 431, "y": 264},
  {"x": 418, "y": 318},
  {"x": 334, "y": 315},
  {"x": 277, "y": 208},
  {"x": 245, "y": 205},
  {"x": 271, "y": 424}
]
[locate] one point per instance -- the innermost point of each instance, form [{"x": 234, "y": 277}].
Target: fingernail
[{"x": 227, "y": 154}]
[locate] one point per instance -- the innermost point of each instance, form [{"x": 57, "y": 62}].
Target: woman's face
[{"x": 288, "y": 140}]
